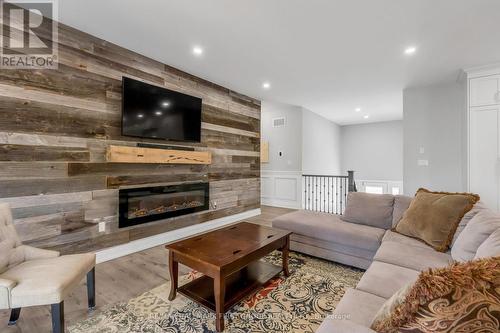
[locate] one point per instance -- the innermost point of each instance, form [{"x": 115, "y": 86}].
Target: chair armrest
[
  {"x": 343, "y": 326},
  {"x": 33, "y": 253},
  {"x": 5, "y": 288}
]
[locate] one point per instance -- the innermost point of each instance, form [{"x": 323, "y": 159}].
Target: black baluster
[{"x": 341, "y": 193}]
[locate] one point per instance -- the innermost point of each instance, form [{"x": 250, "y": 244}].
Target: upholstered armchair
[{"x": 30, "y": 276}]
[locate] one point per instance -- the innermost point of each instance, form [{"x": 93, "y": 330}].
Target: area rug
[{"x": 298, "y": 303}]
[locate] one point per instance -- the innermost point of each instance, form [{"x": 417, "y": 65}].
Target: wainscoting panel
[
  {"x": 282, "y": 188},
  {"x": 55, "y": 128}
]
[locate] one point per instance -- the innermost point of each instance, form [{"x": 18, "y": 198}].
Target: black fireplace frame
[{"x": 125, "y": 194}]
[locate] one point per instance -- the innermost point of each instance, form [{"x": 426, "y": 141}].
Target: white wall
[
  {"x": 287, "y": 139},
  {"x": 309, "y": 144},
  {"x": 374, "y": 151},
  {"x": 321, "y": 145},
  {"x": 434, "y": 119}
]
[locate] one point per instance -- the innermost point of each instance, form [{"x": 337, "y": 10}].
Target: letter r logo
[{"x": 27, "y": 27}]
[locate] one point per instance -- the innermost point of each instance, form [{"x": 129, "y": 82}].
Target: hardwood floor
[{"x": 116, "y": 281}]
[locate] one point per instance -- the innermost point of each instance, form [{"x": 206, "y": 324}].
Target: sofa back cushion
[
  {"x": 479, "y": 228},
  {"x": 433, "y": 217},
  {"x": 369, "y": 209},
  {"x": 401, "y": 204},
  {"x": 478, "y": 207},
  {"x": 490, "y": 247}
]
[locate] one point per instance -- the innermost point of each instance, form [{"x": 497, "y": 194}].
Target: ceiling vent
[{"x": 279, "y": 122}]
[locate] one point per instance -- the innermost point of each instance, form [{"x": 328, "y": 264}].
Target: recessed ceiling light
[
  {"x": 410, "y": 50},
  {"x": 266, "y": 85},
  {"x": 158, "y": 113},
  {"x": 140, "y": 115},
  {"x": 197, "y": 50},
  {"x": 165, "y": 104},
  {"x": 357, "y": 109},
  {"x": 366, "y": 116}
]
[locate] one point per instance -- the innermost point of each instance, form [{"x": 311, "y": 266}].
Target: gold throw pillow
[
  {"x": 463, "y": 297},
  {"x": 433, "y": 217}
]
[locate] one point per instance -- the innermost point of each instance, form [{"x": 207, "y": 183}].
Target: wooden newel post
[{"x": 351, "y": 182}]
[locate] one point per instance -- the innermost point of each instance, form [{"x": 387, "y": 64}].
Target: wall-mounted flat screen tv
[{"x": 157, "y": 113}]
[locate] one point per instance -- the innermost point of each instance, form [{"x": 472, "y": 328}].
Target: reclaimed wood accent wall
[{"x": 56, "y": 125}]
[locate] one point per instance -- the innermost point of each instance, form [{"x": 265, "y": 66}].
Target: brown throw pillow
[
  {"x": 463, "y": 297},
  {"x": 433, "y": 217}
]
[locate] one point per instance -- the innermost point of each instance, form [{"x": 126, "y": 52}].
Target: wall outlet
[
  {"x": 102, "y": 226},
  {"x": 280, "y": 153},
  {"x": 421, "y": 150}
]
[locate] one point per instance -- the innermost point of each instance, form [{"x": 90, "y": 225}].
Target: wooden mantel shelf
[{"x": 124, "y": 154}]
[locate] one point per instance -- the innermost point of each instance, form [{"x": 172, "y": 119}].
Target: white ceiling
[{"x": 329, "y": 56}]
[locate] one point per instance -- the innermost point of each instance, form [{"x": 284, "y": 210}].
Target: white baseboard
[
  {"x": 279, "y": 203},
  {"x": 170, "y": 236}
]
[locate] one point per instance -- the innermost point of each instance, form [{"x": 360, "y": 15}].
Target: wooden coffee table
[{"x": 229, "y": 260}]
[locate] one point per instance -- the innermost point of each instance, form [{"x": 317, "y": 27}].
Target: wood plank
[
  {"x": 50, "y": 97},
  {"x": 221, "y": 140},
  {"x": 28, "y": 187},
  {"x": 214, "y": 115},
  {"x": 43, "y": 200},
  {"x": 76, "y": 169},
  {"x": 39, "y": 117},
  {"x": 41, "y": 140},
  {"x": 16, "y": 170},
  {"x": 121, "y": 181},
  {"x": 225, "y": 129},
  {"x": 25, "y": 153},
  {"x": 44, "y": 210},
  {"x": 122, "y": 154}
]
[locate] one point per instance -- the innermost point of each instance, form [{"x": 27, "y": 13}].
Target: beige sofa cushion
[
  {"x": 478, "y": 207},
  {"x": 358, "y": 306},
  {"x": 401, "y": 204},
  {"x": 47, "y": 281},
  {"x": 413, "y": 257},
  {"x": 391, "y": 236},
  {"x": 329, "y": 227},
  {"x": 490, "y": 247},
  {"x": 434, "y": 217},
  {"x": 480, "y": 227},
  {"x": 384, "y": 280},
  {"x": 369, "y": 209}
]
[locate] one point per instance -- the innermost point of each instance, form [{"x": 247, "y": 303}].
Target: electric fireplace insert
[{"x": 146, "y": 204}]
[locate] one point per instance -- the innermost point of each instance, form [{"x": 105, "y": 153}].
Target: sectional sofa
[{"x": 366, "y": 241}]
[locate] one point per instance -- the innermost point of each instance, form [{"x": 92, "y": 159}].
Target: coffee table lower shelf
[{"x": 238, "y": 285}]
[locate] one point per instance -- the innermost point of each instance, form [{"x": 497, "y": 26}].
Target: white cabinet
[
  {"x": 484, "y": 176},
  {"x": 484, "y": 135},
  {"x": 485, "y": 90}
]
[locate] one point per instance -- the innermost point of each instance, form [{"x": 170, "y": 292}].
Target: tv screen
[{"x": 157, "y": 113}]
